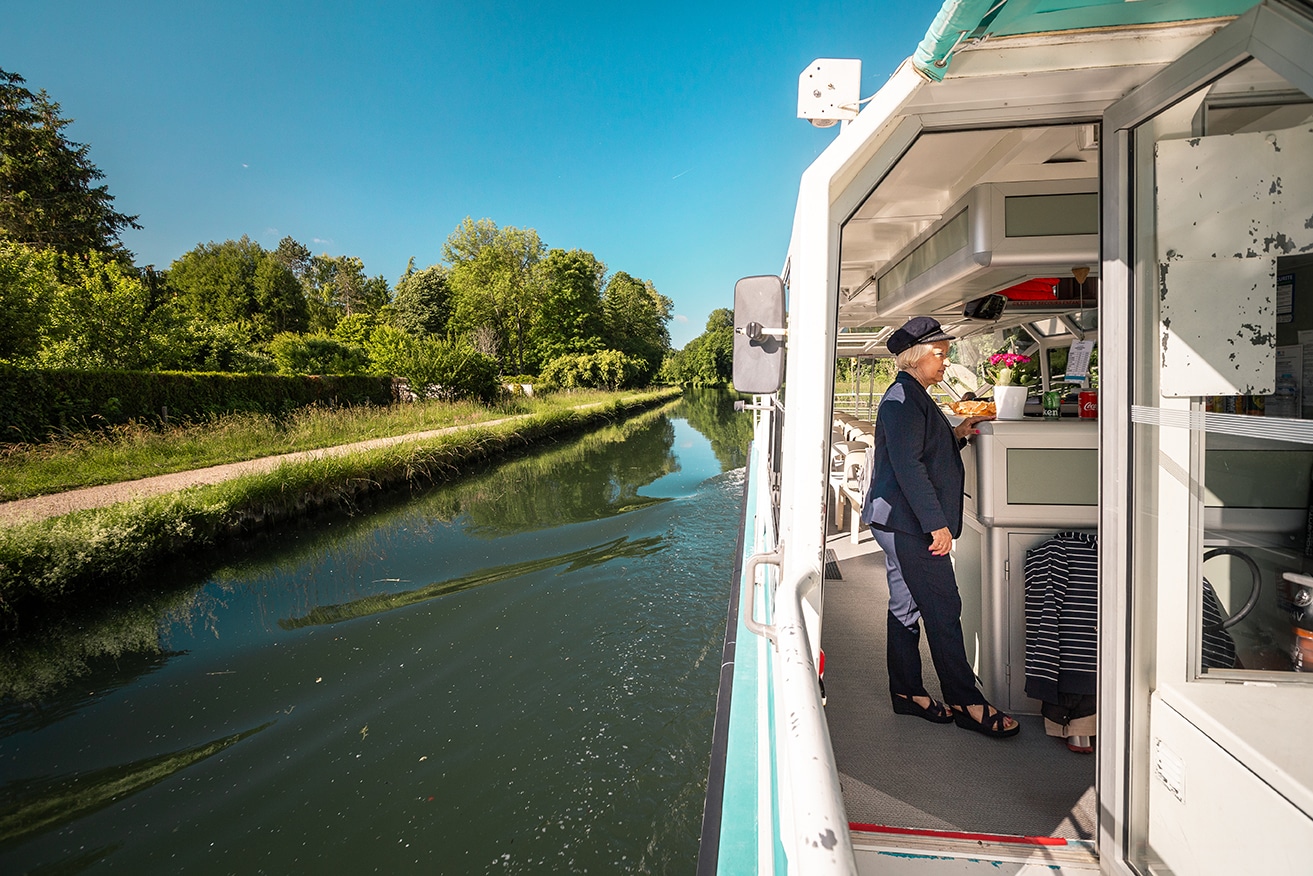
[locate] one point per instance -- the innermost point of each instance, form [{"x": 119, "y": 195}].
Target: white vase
[{"x": 1010, "y": 402}]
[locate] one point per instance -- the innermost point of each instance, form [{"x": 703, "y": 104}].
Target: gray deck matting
[{"x": 901, "y": 771}]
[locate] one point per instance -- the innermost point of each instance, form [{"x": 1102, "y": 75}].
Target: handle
[{"x": 774, "y": 558}]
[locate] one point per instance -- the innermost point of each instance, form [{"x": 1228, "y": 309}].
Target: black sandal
[
  {"x": 992, "y": 725},
  {"x": 935, "y": 713}
]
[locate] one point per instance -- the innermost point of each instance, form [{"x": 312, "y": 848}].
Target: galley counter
[{"x": 1026, "y": 480}]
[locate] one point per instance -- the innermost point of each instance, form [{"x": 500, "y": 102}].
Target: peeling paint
[
  {"x": 828, "y": 839},
  {"x": 1278, "y": 241}
]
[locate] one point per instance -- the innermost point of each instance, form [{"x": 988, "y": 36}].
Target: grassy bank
[
  {"x": 94, "y": 551},
  {"x": 135, "y": 451}
]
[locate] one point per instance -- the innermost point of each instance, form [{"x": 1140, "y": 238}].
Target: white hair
[{"x": 908, "y": 359}]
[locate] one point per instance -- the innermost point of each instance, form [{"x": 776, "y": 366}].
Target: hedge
[{"x": 35, "y": 405}]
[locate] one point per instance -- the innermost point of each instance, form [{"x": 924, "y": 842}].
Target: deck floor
[{"x": 899, "y": 771}]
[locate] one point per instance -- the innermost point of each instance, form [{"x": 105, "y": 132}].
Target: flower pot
[{"x": 1010, "y": 402}]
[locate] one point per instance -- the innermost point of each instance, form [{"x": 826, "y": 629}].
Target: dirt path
[{"x": 40, "y": 507}]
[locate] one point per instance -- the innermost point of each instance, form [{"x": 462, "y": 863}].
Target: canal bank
[
  {"x": 108, "y": 537},
  {"x": 512, "y": 672}
]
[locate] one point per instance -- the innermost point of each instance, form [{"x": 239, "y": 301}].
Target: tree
[
  {"x": 338, "y": 287},
  {"x": 316, "y": 354},
  {"x": 48, "y": 192},
  {"x": 635, "y": 315},
  {"x": 569, "y": 318},
  {"x": 238, "y": 282},
  {"x": 104, "y": 316},
  {"x": 28, "y": 284},
  {"x": 609, "y": 369},
  {"x": 421, "y": 301},
  {"x": 495, "y": 287},
  {"x": 708, "y": 359}
]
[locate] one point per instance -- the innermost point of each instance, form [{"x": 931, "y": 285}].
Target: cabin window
[
  {"x": 1051, "y": 215},
  {"x": 951, "y": 238},
  {"x": 1223, "y": 422}
]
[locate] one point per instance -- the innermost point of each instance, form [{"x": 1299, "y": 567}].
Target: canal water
[{"x": 513, "y": 673}]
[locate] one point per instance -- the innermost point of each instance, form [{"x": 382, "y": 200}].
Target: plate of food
[{"x": 973, "y": 408}]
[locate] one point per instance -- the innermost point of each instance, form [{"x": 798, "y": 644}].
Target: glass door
[{"x": 1212, "y": 163}]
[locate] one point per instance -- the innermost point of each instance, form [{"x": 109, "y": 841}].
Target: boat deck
[{"x": 902, "y": 772}]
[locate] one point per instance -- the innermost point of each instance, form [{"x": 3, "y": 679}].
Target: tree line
[{"x": 500, "y": 301}]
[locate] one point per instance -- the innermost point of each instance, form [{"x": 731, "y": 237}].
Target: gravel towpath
[{"x": 41, "y": 507}]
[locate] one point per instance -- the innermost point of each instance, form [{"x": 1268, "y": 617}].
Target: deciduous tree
[
  {"x": 636, "y": 316},
  {"x": 569, "y": 317},
  {"x": 28, "y": 284},
  {"x": 494, "y": 284},
  {"x": 239, "y": 282},
  {"x": 421, "y": 301}
]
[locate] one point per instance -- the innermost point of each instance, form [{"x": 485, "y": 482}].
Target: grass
[
  {"x": 136, "y": 450},
  {"x": 96, "y": 551}
]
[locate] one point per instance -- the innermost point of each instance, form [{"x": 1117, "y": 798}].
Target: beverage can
[
  {"x": 1052, "y": 404},
  {"x": 1089, "y": 404}
]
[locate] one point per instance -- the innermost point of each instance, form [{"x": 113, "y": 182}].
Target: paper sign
[{"x": 1078, "y": 361}]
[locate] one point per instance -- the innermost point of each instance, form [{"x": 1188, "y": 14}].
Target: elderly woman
[{"x": 914, "y": 508}]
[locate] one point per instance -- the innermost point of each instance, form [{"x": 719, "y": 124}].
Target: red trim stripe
[{"x": 961, "y": 835}]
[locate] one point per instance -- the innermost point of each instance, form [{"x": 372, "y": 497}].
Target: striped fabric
[
  {"x": 1218, "y": 646},
  {"x": 1062, "y": 609}
]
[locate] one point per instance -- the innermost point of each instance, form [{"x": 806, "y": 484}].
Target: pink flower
[{"x": 1008, "y": 360}]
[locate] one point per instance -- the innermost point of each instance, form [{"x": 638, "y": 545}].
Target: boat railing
[{"x": 808, "y": 802}]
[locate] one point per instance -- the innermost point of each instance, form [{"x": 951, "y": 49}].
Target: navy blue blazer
[{"x": 917, "y": 483}]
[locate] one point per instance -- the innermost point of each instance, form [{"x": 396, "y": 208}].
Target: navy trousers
[{"x": 923, "y": 590}]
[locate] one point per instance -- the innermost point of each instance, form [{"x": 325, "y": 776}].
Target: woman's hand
[
  {"x": 941, "y": 542},
  {"x": 967, "y": 428}
]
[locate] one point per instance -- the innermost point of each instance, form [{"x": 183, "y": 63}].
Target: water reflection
[
  {"x": 591, "y": 477},
  {"x": 573, "y": 561},
  {"x": 515, "y": 672},
  {"x": 42, "y": 804}
]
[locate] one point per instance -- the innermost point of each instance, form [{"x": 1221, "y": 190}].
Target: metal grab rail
[
  {"x": 814, "y": 801},
  {"x": 773, "y": 558}
]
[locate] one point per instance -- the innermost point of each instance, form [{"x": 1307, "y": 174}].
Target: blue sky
[{"x": 661, "y": 138}]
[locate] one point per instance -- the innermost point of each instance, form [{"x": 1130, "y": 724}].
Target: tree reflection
[
  {"x": 596, "y": 476},
  {"x": 620, "y": 548},
  {"x": 35, "y": 806},
  {"x": 712, "y": 413}
]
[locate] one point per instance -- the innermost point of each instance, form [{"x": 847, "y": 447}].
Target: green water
[{"x": 514, "y": 673}]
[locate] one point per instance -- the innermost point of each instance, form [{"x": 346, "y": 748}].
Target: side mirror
[{"x": 759, "y": 334}]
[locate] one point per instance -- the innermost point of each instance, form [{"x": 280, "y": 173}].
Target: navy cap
[{"x": 917, "y": 330}]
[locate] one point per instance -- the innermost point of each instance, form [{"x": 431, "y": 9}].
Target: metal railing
[{"x": 813, "y": 826}]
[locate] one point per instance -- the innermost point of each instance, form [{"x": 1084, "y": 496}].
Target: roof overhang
[{"x": 904, "y": 169}]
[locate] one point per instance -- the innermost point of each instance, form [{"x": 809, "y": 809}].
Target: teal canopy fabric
[{"x": 962, "y": 21}]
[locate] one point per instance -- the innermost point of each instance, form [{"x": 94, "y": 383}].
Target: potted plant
[{"x": 1013, "y": 374}]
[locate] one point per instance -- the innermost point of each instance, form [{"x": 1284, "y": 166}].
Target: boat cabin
[{"x": 1122, "y": 192}]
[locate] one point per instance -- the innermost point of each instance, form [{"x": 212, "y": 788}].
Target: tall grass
[
  {"x": 133, "y": 451},
  {"x": 98, "y": 550}
]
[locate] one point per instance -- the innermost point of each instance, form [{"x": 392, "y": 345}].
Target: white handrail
[{"x": 820, "y": 840}]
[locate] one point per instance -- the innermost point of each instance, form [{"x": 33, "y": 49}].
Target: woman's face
[{"x": 930, "y": 370}]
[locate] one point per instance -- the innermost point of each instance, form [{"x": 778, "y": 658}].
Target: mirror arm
[{"x": 755, "y": 331}]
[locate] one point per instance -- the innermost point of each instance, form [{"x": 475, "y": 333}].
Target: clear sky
[{"x": 662, "y": 138}]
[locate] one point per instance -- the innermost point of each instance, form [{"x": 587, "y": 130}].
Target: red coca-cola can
[{"x": 1089, "y": 404}]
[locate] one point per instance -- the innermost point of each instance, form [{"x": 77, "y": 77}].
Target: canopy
[{"x": 962, "y": 22}]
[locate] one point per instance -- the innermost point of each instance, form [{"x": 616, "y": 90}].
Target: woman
[{"x": 914, "y": 508}]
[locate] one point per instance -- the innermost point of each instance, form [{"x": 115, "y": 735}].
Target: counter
[{"x": 1026, "y": 480}]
